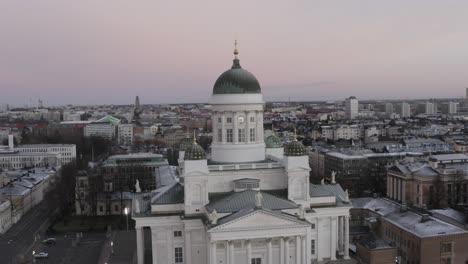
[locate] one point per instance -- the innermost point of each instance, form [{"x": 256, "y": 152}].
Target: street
[
  {"x": 20, "y": 238},
  {"x": 18, "y": 243}
]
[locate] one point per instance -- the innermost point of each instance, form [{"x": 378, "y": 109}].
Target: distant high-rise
[
  {"x": 430, "y": 108},
  {"x": 452, "y": 107},
  {"x": 405, "y": 110},
  {"x": 389, "y": 108},
  {"x": 351, "y": 107},
  {"x": 466, "y": 97},
  {"x": 136, "y": 111}
]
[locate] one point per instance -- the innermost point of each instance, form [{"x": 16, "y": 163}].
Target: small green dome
[
  {"x": 273, "y": 141},
  {"x": 185, "y": 144},
  {"x": 195, "y": 152},
  {"x": 295, "y": 148}
]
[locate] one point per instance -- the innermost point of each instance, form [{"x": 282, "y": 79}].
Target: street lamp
[
  {"x": 112, "y": 247},
  {"x": 34, "y": 259},
  {"x": 126, "y": 216}
]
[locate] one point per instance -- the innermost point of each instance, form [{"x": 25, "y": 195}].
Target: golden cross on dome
[{"x": 235, "y": 48}]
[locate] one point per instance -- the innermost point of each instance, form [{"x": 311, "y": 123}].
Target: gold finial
[
  {"x": 295, "y": 134},
  {"x": 194, "y": 137},
  {"x": 235, "y": 48}
]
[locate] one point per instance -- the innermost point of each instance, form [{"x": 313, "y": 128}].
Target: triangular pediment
[{"x": 258, "y": 219}]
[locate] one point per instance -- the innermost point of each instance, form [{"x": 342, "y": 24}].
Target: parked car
[
  {"x": 49, "y": 241},
  {"x": 41, "y": 255}
]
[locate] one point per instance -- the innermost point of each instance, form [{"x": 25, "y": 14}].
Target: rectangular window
[
  {"x": 241, "y": 134},
  {"x": 313, "y": 226},
  {"x": 229, "y": 135},
  {"x": 256, "y": 261},
  {"x": 177, "y": 233},
  {"x": 252, "y": 119},
  {"x": 101, "y": 208},
  {"x": 116, "y": 207},
  {"x": 446, "y": 247},
  {"x": 229, "y": 120},
  {"x": 220, "y": 135},
  {"x": 178, "y": 255},
  {"x": 219, "y": 119},
  {"x": 312, "y": 247},
  {"x": 252, "y": 135}
]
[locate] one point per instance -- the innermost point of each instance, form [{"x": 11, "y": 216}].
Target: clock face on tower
[{"x": 240, "y": 119}]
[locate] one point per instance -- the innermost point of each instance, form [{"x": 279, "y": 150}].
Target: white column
[
  {"x": 333, "y": 238},
  {"x": 269, "y": 252},
  {"x": 340, "y": 235},
  {"x": 346, "y": 238},
  {"x": 282, "y": 250},
  {"x": 223, "y": 127},
  {"x": 249, "y": 251},
  {"x": 403, "y": 191},
  {"x": 228, "y": 253},
  {"x": 235, "y": 132},
  {"x": 304, "y": 249},
  {"x": 213, "y": 249},
  {"x": 389, "y": 185},
  {"x": 247, "y": 127},
  {"x": 259, "y": 126},
  {"x": 286, "y": 251},
  {"x": 298, "y": 249},
  {"x": 231, "y": 252},
  {"x": 140, "y": 244},
  {"x": 188, "y": 247}
]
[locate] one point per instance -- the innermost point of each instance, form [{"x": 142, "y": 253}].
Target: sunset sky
[{"x": 107, "y": 52}]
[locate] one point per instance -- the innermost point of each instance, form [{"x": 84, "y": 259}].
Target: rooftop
[{"x": 408, "y": 220}]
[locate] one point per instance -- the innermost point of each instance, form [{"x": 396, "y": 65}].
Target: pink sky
[{"x": 107, "y": 52}]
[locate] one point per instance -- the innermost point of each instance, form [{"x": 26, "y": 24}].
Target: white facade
[
  {"x": 125, "y": 134},
  {"x": 67, "y": 151},
  {"x": 452, "y": 107},
  {"x": 237, "y": 128},
  {"x": 430, "y": 108},
  {"x": 389, "y": 108},
  {"x": 351, "y": 107},
  {"x": 104, "y": 130},
  {"x": 6, "y": 219},
  {"x": 19, "y": 160},
  {"x": 405, "y": 110},
  {"x": 222, "y": 210}
]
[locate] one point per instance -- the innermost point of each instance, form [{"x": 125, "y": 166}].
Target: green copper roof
[
  {"x": 195, "y": 152},
  {"x": 236, "y": 81},
  {"x": 109, "y": 119},
  {"x": 185, "y": 144},
  {"x": 295, "y": 148},
  {"x": 273, "y": 141}
]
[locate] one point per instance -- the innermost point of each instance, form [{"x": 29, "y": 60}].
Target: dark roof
[
  {"x": 175, "y": 195},
  {"x": 195, "y": 152},
  {"x": 236, "y": 201},
  {"x": 236, "y": 81},
  {"x": 252, "y": 209},
  {"x": 273, "y": 141},
  {"x": 295, "y": 148}
]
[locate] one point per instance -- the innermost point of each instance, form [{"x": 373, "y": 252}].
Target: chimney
[
  {"x": 424, "y": 218},
  {"x": 10, "y": 142},
  {"x": 403, "y": 208}
]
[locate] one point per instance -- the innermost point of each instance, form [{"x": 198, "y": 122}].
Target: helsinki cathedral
[{"x": 249, "y": 202}]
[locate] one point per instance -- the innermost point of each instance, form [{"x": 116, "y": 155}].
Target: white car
[{"x": 41, "y": 255}]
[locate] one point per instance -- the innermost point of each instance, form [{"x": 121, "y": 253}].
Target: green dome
[
  {"x": 185, "y": 144},
  {"x": 236, "y": 81},
  {"x": 295, "y": 148},
  {"x": 195, "y": 152},
  {"x": 273, "y": 141}
]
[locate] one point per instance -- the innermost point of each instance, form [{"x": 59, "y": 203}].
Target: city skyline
[{"x": 96, "y": 53}]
